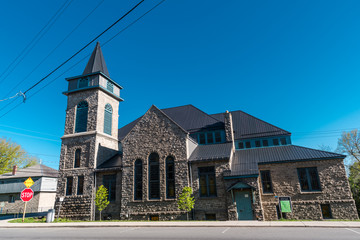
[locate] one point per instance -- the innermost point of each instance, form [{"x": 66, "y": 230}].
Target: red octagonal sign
[{"x": 27, "y": 194}]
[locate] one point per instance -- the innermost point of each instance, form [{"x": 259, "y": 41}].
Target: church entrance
[{"x": 243, "y": 204}]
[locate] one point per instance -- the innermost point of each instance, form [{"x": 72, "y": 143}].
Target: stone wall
[
  {"x": 154, "y": 132},
  {"x": 211, "y": 205},
  {"x": 335, "y": 191}
]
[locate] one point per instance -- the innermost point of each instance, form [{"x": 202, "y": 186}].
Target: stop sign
[{"x": 27, "y": 194}]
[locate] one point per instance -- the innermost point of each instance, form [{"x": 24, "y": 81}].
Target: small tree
[
  {"x": 186, "y": 201},
  {"x": 101, "y": 199}
]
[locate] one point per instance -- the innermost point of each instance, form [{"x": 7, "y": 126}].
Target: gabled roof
[
  {"x": 191, "y": 118},
  {"x": 96, "y": 62},
  {"x": 247, "y": 126},
  {"x": 188, "y": 117},
  {"x": 246, "y": 162},
  {"x": 211, "y": 152},
  {"x": 38, "y": 170}
]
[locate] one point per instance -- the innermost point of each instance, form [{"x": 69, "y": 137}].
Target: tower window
[
  {"x": 138, "y": 180},
  {"x": 81, "y": 117},
  {"x": 283, "y": 141},
  {"x": 248, "y": 144},
  {"x": 276, "y": 142},
  {"x": 110, "y": 86},
  {"x": 107, "y": 119},
  {"x": 80, "y": 189},
  {"x": 257, "y": 143},
  {"x": 69, "y": 186},
  {"x": 170, "y": 177},
  {"x": 77, "y": 158},
  {"x": 265, "y": 143},
  {"x": 154, "y": 176},
  {"x": 83, "y": 82}
]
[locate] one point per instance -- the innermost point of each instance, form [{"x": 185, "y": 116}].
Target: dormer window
[
  {"x": 110, "y": 87},
  {"x": 83, "y": 82}
]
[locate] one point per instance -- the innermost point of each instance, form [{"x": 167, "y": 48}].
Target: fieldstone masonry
[
  {"x": 155, "y": 132},
  {"x": 335, "y": 190}
]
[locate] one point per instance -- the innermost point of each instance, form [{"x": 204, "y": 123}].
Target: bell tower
[{"x": 90, "y": 136}]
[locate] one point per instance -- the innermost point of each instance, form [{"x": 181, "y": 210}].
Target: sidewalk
[{"x": 324, "y": 224}]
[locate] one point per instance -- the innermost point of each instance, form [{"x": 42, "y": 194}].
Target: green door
[{"x": 243, "y": 205}]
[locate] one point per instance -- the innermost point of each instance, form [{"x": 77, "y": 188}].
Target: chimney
[
  {"x": 14, "y": 170},
  {"x": 229, "y": 131}
]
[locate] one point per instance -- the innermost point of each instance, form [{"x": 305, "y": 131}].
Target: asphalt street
[{"x": 180, "y": 233}]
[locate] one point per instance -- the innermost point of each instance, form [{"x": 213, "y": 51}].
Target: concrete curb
[{"x": 311, "y": 224}]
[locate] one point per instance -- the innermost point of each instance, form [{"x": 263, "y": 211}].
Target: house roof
[
  {"x": 193, "y": 119},
  {"x": 38, "y": 170},
  {"x": 96, "y": 62},
  {"x": 114, "y": 162},
  {"x": 246, "y": 162},
  {"x": 211, "y": 152},
  {"x": 247, "y": 126}
]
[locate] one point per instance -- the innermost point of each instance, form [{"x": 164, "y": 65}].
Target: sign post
[
  {"x": 27, "y": 194},
  {"x": 61, "y": 199},
  {"x": 285, "y": 205}
]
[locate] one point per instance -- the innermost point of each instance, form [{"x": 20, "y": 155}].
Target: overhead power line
[
  {"x": 122, "y": 30},
  {"x": 93, "y": 40},
  {"x": 35, "y": 40},
  {"x": 52, "y": 51}
]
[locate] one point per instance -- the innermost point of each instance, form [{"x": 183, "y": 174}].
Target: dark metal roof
[
  {"x": 191, "y": 118},
  {"x": 247, "y": 126},
  {"x": 245, "y": 162},
  {"x": 38, "y": 170},
  {"x": 96, "y": 62},
  {"x": 211, "y": 152},
  {"x": 114, "y": 162}
]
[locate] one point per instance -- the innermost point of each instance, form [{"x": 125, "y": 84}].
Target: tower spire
[{"x": 96, "y": 62}]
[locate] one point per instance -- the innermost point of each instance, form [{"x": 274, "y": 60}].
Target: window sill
[
  {"x": 268, "y": 194},
  {"x": 311, "y": 192}
]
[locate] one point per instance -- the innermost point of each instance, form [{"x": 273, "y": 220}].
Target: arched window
[
  {"x": 154, "y": 176},
  {"x": 107, "y": 119},
  {"x": 138, "y": 179},
  {"x": 81, "y": 117},
  {"x": 170, "y": 177},
  {"x": 110, "y": 86},
  {"x": 77, "y": 158}
]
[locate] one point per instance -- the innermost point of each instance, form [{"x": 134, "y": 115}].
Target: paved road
[{"x": 180, "y": 233}]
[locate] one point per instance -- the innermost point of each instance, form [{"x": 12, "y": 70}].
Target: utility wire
[
  {"x": 122, "y": 30},
  {"x": 94, "y": 39},
  {"x": 67, "y": 36},
  {"x": 36, "y": 39}
]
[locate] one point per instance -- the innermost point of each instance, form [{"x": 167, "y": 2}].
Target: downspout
[
  {"x": 191, "y": 185},
  {"x": 93, "y": 197}
]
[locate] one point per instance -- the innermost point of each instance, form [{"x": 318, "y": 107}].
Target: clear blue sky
[{"x": 294, "y": 64}]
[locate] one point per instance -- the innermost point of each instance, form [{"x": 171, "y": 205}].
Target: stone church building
[{"x": 237, "y": 165}]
